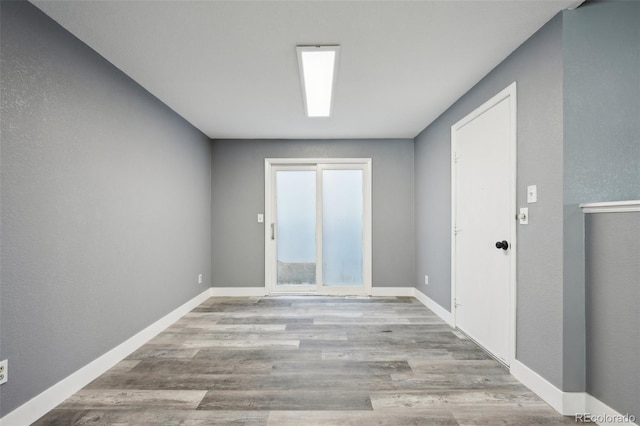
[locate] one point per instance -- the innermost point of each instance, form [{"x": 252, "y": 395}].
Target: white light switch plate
[
  {"x": 524, "y": 216},
  {"x": 260, "y": 218},
  {"x": 532, "y": 194}
]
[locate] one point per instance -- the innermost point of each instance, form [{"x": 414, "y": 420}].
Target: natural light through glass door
[
  {"x": 318, "y": 230},
  {"x": 296, "y": 220},
  {"x": 342, "y": 227}
]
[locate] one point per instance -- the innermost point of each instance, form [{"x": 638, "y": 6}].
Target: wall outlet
[
  {"x": 426, "y": 279},
  {"x": 4, "y": 371},
  {"x": 260, "y": 218},
  {"x": 200, "y": 279}
]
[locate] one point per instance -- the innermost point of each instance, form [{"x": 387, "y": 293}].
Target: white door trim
[
  {"x": 269, "y": 273},
  {"x": 509, "y": 92}
]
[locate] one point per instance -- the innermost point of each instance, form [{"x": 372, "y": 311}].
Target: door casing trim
[
  {"x": 269, "y": 252},
  {"x": 511, "y": 93}
]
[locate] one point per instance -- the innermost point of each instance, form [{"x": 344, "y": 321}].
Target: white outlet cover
[
  {"x": 4, "y": 371},
  {"x": 200, "y": 279},
  {"x": 260, "y": 218},
  {"x": 426, "y": 279}
]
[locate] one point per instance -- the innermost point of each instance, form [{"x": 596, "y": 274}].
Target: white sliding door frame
[{"x": 270, "y": 275}]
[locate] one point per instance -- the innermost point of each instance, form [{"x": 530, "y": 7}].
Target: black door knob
[{"x": 502, "y": 245}]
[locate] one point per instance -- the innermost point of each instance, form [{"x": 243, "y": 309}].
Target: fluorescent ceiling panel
[{"x": 318, "y": 65}]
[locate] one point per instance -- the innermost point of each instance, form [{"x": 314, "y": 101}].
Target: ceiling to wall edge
[{"x": 318, "y": 133}]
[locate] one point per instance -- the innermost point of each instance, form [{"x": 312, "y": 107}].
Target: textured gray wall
[
  {"x": 613, "y": 318},
  {"x": 601, "y": 42},
  {"x": 105, "y": 213},
  {"x": 536, "y": 66},
  {"x": 238, "y": 196},
  {"x": 578, "y": 109},
  {"x": 602, "y": 102}
]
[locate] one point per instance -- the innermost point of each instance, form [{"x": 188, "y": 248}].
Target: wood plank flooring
[{"x": 306, "y": 361}]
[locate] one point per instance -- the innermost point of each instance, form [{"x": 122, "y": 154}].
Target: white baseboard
[
  {"x": 238, "y": 291},
  {"x": 445, "y": 315},
  {"x": 392, "y": 291},
  {"x": 41, "y": 404},
  {"x": 261, "y": 291},
  {"x": 573, "y": 403},
  {"x": 566, "y": 403},
  {"x": 605, "y": 414},
  {"x": 539, "y": 385}
]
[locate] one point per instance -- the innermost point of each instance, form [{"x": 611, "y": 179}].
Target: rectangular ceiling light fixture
[{"x": 318, "y": 65}]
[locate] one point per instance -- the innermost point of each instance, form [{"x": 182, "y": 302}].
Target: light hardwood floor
[{"x": 307, "y": 361}]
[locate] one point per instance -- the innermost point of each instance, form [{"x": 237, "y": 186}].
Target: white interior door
[
  {"x": 318, "y": 236},
  {"x": 484, "y": 224}
]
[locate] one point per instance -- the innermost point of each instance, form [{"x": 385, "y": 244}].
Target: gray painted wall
[
  {"x": 105, "y": 205},
  {"x": 578, "y": 109},
  {"x": 602, "y": 102},
  {"x": 601, "y": 43},
  {"x": 536, "y": 67},
  {"x": 613, "y": 318},
  {"x": 238, "y": 196}
]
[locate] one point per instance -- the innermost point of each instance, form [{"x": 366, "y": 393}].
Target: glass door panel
[
  {"x": 296, "y": 227},
  {"x": 342, "y": 228},
  {"x": 318, "y": 232}
]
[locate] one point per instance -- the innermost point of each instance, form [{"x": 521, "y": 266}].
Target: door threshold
[
  {"x": 303, "y": 294},
  {"x": 504, "y": 363},
  {"x": 294, "y": 293}
]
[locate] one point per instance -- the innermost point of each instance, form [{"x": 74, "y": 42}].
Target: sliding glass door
[
  {"x": 319, "y": 227},
  {"x": 342, "y": 226},
  {"x": 295, "y": 221}
]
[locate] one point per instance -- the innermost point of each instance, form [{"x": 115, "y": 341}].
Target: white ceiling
[{"x": 230, "y": 67}]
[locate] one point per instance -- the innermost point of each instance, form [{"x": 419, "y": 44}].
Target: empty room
[{"x": 394, "y": 212}]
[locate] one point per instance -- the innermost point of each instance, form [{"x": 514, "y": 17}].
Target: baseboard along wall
[
  {"x": 46, "y": 401},
  {"x": 566, "y": 403}
]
